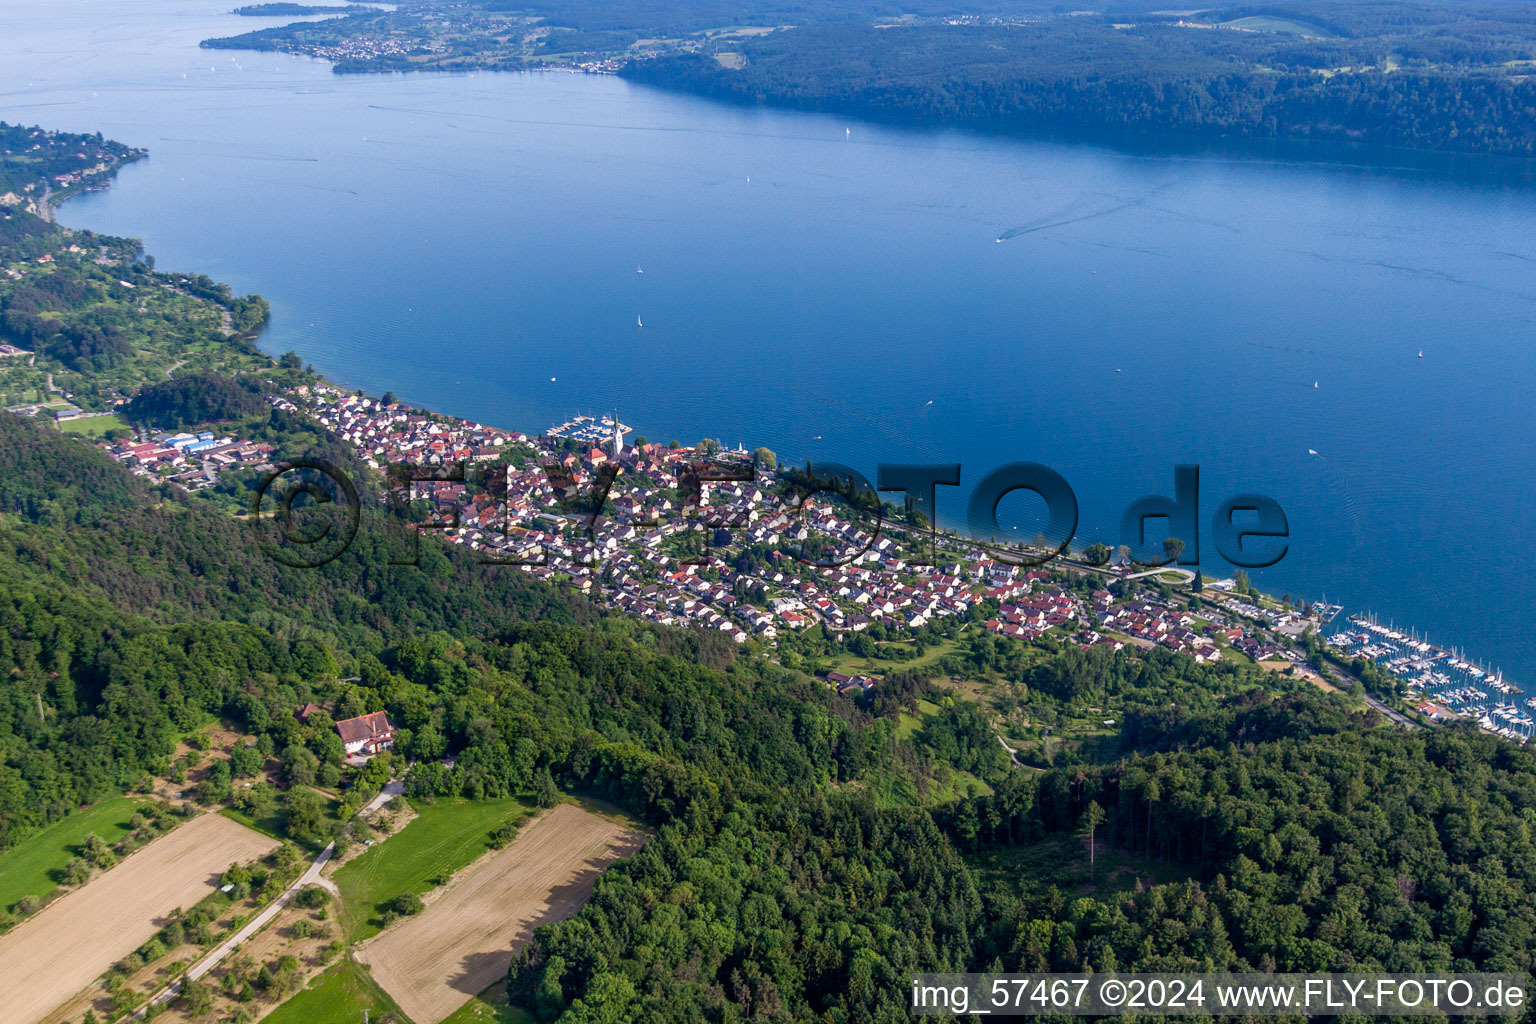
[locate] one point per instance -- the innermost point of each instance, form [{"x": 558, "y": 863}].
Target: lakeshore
[
  {"x": 477, "y": 235},
  {"x": 669, "y": 545},
  {"x": 696, "y": 535},
  {"x": 903, "y": 750}
]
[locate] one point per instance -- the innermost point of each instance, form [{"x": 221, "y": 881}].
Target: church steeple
[{"x": 618, "y": 436}]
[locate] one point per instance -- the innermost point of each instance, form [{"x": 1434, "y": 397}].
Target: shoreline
[{"x": 59, "y": 199}]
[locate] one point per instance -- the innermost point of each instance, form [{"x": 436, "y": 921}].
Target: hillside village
[{"x": 673, "y": 548}]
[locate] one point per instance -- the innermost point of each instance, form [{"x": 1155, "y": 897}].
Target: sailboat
[
  {"x": 639, "y": 270},
  {"x": 1421, "y": 353},
  {"x": 638, "y": 323},
  {"x": 1314, "y": 385}
]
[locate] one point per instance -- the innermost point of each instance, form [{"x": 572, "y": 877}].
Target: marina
[
  {"x": 1442, "y": 683},
  {"x": 591, "y": 429}
]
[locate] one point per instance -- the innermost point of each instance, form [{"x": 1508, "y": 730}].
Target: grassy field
[
  {"x": 339, "y": 996},
  {"x": 28, "y": 869},
  {"x": 1280, "y": 26},
  {"x": 443, "y": 837},
  {"x": 852, "y": 664},
  {"x": 909, "y": 723},
  {"x": 93, "y": 426},
  {"x": 490, "y": 1007},
  {"x": 961, "y": 784}
]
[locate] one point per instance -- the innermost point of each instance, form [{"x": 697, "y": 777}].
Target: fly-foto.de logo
[{"x": 307, "y": 512}]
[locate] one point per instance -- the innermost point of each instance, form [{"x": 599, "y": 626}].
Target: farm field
[
  {"x": 28, "y": 868},
  {"x": 444, "y": 836},
  {"x": 462, "y": 944},
  {"x": 55, "y": 954}
]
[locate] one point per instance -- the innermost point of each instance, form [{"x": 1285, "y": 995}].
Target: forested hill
[
  {"x": 1250, "y": 822},
  {"x": 1146, "y": 74},
  {"x": 1424, "y": 74}
]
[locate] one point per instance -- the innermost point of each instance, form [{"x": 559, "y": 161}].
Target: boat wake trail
[{"x": 1081, "y": 209}]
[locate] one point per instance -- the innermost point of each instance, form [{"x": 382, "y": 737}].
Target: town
[{"x": 731, "y": 555}]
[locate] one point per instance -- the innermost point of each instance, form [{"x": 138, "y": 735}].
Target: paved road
[
  {"x": 1185, "y": 576},
  {"x": 1014, "y": 754},
  {"x": 311, "y": 876}
]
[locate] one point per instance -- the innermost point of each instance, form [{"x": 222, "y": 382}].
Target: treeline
[
  {"x": 816, "y": 909},
  {"x": 1086, "y": 74},
  {"x": 282, "y": 9}
]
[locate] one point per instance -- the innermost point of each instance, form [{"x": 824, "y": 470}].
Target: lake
[{"x": 836, "y": 290}]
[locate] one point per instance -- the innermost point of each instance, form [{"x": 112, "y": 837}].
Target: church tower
[{"x": 618, "y": 436}]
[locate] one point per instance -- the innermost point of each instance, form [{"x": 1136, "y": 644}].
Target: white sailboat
[{"x": 638, "y": 323}]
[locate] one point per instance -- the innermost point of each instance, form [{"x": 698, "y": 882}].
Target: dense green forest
[
  {"x": 788, "y": 880},
  {"x": 191, "y": 400}
]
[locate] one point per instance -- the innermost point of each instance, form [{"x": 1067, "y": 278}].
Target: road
[
  {"x": 311, "y": 876},
  {"x": 1014, "y": 754}
]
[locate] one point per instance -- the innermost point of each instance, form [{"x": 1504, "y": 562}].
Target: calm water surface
[{"x": 461, "y": 239}]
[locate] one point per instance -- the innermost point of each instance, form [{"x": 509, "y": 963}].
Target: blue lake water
[{"x": 813, "y": 284}]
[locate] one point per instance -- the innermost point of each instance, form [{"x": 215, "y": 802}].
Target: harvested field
[
  {"x": 463, "y": 942},
  {"x": 72, "y": 941}
]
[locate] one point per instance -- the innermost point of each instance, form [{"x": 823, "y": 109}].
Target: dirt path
[
  {"x": 47, "y": 959},
  {"x": 464, "y": 941}
]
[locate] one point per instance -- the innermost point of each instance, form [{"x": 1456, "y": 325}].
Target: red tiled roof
[{"x": 364, "y": 727}]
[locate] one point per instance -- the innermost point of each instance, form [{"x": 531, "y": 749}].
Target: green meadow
[
  {"x": 30, "y": 867},
  {"x": 339, "y": 996},
  {"x": 445, "y": 836}
]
